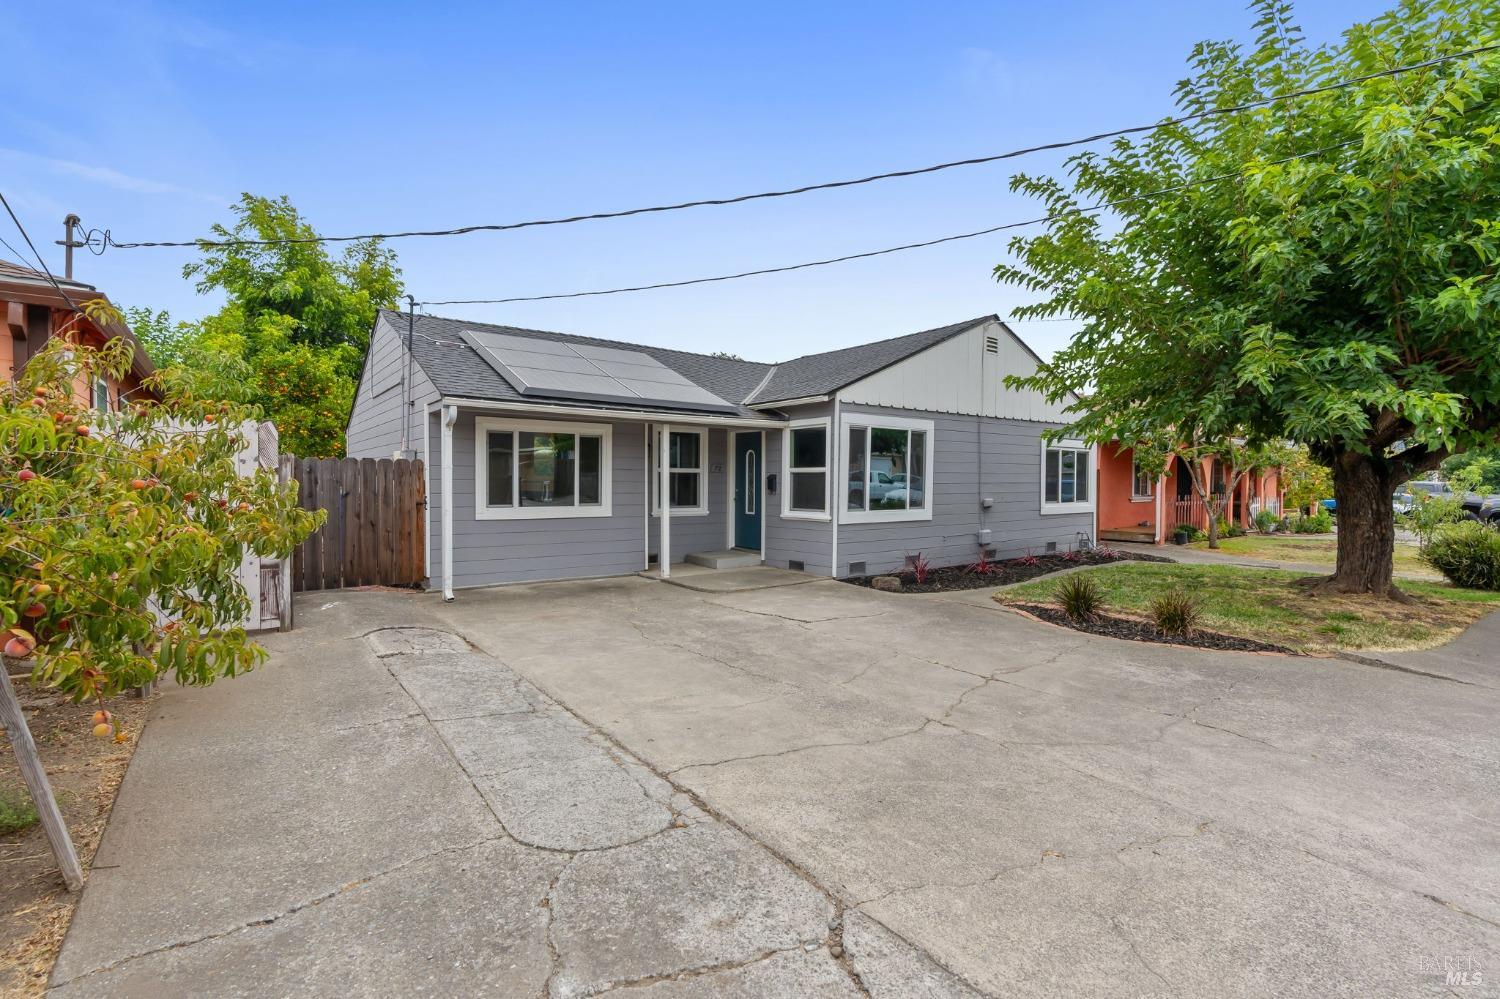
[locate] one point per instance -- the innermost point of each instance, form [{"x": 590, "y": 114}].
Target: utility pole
[{"x": 68, "y": 243}]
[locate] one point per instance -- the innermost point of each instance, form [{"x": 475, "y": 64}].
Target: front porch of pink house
[{"x": 1135, "y": 506}]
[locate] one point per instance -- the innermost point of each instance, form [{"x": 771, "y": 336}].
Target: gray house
[{"x": 547, "y": 455}]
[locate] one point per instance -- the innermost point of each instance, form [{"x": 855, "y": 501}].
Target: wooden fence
[{"x": 373, "y": 534}]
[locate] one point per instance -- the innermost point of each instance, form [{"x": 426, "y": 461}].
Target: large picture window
[
  {"x": 540, "y": 470},
  {"x": 888, "y": 468},
  {"x": 805, "y": 465},
  {"x": 1067, "y": 478},
  {"x": 687, "y": 483}
]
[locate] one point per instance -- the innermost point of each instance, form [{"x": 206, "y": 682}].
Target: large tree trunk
[{"x": 1363, "y": 488}]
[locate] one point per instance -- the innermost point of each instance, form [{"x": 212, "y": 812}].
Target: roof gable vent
[{"x": 991, "y": 344}]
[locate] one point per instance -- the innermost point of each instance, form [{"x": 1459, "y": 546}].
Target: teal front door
[{"x": 747, "y": 490}]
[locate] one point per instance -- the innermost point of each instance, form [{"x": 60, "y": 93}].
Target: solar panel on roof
[{"x": 554, "y": 369}]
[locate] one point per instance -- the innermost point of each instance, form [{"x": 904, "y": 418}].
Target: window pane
[
  {"x": 807, "y": 490},
  {"x": 1069, "y": 472},
  {"x": 590, "y": 471},
  {"x": 684, "y": 451},
  {"x": 501, "y": 467},
  {"x": 684, "y": 489},
  {"x": 810, "y": 449},
  {"x": 547, "y": 464},
  {"x": 857, "y": 443},
  {"x": 915, "y": 484},
  {"x": 888, "y": 456},
  {"x": 1051, "y": 493},
  {"x": 1082, "y": 492}
]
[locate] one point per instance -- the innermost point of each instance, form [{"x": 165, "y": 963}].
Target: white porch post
[
  {"x": 831, "y": 460},
  {"x": 664, "y": 495},
  {"x": 450, "y": 417}
]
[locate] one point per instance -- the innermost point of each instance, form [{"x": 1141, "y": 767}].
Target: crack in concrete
[
  {"x": 688, "y": 974},
  {"x": 378, "y": 721},
  {"x": 1114, "y": 922},
  {"x": 553, "y": 954},
  {"x": 802, "y": 749},
  {"x": 640, "y": 629},
  {"x": 268, "y": 920}
]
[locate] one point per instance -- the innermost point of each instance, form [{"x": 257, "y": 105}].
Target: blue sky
[{"x": 149, "y": 119}]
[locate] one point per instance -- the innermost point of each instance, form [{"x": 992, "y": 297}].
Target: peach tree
[{"x": 122, "y": 533}]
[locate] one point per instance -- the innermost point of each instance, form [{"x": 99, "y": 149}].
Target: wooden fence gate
[{"x": 374, "y": 532}]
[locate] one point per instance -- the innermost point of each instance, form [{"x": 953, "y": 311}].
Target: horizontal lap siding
[
  {"x": 375, "y": 423},
  {"x": 510, "y": 551},
  {"x": 807, "y": 541},
  {"x": 1011, "y": 469},
  {"x": 704, "y": 533}
]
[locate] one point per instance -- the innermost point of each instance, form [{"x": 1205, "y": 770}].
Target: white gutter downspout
[
  {"x": 833, "y": 459},
  {"x": 664, "y": 496},
  {"x": 646, "y": 499},
  {"x": 450, "y": 417}
]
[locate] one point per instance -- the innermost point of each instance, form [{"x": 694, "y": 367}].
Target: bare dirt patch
[
  {"x": 1004, "y": 572},
  {"x": 85, "y": 772}
]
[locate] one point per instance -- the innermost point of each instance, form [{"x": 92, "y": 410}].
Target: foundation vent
[
  {"x": 1051, "y": 547},
  {"x": 856, "y": 569},
  {"x": 795, "y": 565}
]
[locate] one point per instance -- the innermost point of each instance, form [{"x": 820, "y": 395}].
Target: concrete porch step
[{"x": 729, "y": 558}]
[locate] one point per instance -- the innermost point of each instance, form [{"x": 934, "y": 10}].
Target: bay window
[
  {"x": 526, "y": 470},
  {"x": 687, "y": 484},
  {"x": 1067, "y": 478},
  {"x": 887, "y": 469},
  {"x": 804, "y": 452}
]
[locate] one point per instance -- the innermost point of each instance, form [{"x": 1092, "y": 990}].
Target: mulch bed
[
  {"x": 1141, "y": 631},
  {"x": 1015, "y": 570}
]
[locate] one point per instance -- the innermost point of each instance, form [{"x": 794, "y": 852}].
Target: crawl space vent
[
  {"x": 1051, "y": 547},
  {"x": 794, "y": 565},
  {"x": 856, "y": 568}
]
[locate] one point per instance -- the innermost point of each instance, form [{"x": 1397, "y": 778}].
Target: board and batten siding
[
  {"x": 964, "y": 374},
  {"x": 375, "y": 421},
  {"x": 973, "y": 457}
]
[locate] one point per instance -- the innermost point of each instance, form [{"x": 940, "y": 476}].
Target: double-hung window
[
  {"x": 101, "y": 395},
  {"x": 687, "y": 481},
  {"x": 526, "y": 470},
  {"x": 1142, "y": 482},
  {"x": 1067, "y": 478},
  {"x": 887, "y": 468},
  {"x": 804, "y": 450}
]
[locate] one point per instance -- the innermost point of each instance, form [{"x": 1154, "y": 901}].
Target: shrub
[
  {"x": 1319, "y": 523},
  {"x": 1079, "y": 597},
  {"x": 1467, "y": 553},
  {"x": 1106, "y": 552},
  {"x": 982, "y": 566},
  {"x": 1235, "y": 531},
  {"x": 1029, "y": 560},
  {"x": 16, "y": 810},
  {"x": 1428, "y": 513},
  {"x": 1266, "y": 522},
  {"x": 1175, "y": 612}
]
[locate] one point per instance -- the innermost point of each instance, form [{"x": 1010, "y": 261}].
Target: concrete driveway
[{"x": 625, "y": 786}]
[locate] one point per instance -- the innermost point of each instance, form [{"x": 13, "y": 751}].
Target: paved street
[{"x": 821, "y": 790}]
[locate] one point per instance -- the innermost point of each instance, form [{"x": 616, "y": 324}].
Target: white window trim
[
  {"x": 787, "y": 513},
  {"x": 94, "y": 387},
  {"x": 1135, "y": 497},
  {"x": 1052, "y": 509},
  {"x": 482, "y": 427},
  {"x": 701, "y": 510},
  {"x": 871, "y": 421}
]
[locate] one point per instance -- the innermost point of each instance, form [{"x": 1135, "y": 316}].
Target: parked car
[{"x": 1406, "y": 496}]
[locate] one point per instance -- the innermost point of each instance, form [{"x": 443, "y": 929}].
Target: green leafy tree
[
  {"x": 124, "y": 532},
  {"x": 1321, "y": 269},
  {"x": 1479, "y": 467},
  {"x": 1304, "y": 480}
]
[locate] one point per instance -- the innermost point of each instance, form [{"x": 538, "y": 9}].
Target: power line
[
  {"x": 829, "y": 185},
  {"x": 879, "y": 253},
  {"x": 39, "y": 259}
]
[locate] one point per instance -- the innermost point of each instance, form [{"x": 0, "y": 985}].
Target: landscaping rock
[{"x": 889, "y": 584}]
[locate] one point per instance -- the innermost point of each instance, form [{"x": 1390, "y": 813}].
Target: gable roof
[
  {"x": 457, "y": 370},
  {"x": 826, "y": 373},
  {"x": 19, "y": 283}
]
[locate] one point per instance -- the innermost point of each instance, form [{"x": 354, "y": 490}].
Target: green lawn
[
  {"x": 1263, "y": 604},
  {"x": 1313, "y": 550}
]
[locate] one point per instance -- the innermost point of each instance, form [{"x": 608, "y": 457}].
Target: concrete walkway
[{"x": 812, "y": 790}]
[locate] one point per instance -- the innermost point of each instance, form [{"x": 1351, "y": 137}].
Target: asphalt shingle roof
[{"x": 456, "y": 370}]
